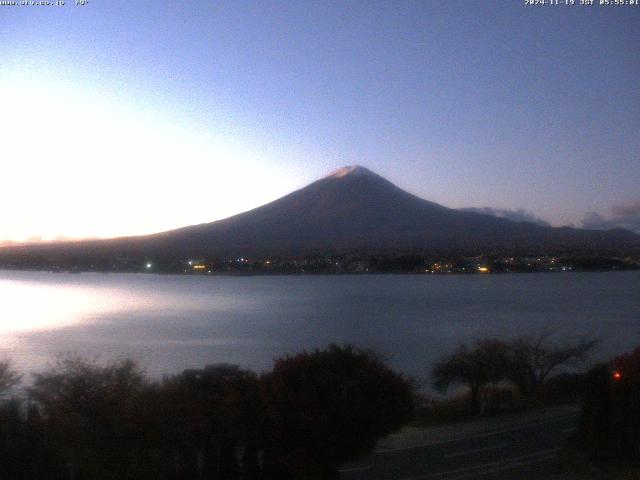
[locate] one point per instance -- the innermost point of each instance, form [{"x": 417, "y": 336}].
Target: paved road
[{"x": 516, "y": 446}]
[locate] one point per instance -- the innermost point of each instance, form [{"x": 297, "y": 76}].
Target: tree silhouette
[
  {"x": 216, "y": 412},
  {"x": 8, "y": 377},
  {"x": 533, "y": 358},
  {"x": 93, "y": 416},
  {"x": 329, "y": 407},
  {"x": 84, "y": 420},
  {"x": 486, "y": 362}
]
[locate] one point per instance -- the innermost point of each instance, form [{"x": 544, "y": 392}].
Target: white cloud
[
  {"x": 622, "y": 216},
  {"x": 519, "y": 215}
]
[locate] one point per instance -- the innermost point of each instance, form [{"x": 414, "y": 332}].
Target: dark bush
[
  {"x": 563, "y": 388},
  {"x": 94, "y": 418},
  {"x": 610, "y": 423},
  {"x": 87, "y": 421},
  {"x": 211, "y": 414},
  {"x": 329, "y": 407},
  {"x": 436, "y": 412},
  {"x": 8, "y": 378}
]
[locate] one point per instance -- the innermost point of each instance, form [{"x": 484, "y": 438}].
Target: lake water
[{"x": 172, "y": 322}]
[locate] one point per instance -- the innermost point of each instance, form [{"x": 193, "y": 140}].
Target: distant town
[
  {"x": 337, "y": 264},
  {"x": 351, "y": 222}
]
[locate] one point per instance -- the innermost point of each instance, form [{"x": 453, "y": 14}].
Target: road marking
[
  {"x": 491, "y": 466},
  {"x": 476, "y": 450},
  {"x": 569, "y": 430},
  {"x": 481, "y": 435}
]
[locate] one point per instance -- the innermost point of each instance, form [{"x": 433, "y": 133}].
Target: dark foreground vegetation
[
  {"x": 491, "y": 367},
  {"x": 505, "y": 376},
  {"x": 314, "y": 411},
  {"x": 610, "y": 424}
]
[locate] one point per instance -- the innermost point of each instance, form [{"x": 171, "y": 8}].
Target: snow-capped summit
[{"x": 351, "y": 170}]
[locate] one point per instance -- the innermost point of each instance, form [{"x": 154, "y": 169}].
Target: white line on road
[
  {"x": 491, "y": 466},
  {"x": 480, "y": 435},
  {"x": 569, "y": 430},
  {"x": 476, "y": 450}
]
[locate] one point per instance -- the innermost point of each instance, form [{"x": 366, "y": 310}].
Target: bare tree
[
  {"x": 535, "y": 357},
  {"x": 8, "y": 377},
  {"x": 486, "y": 362}
]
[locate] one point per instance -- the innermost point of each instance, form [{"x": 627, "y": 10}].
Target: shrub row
[{"x": 312, "y": 412}]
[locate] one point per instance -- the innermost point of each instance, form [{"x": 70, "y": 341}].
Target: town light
[{"x": 617, "y": 376}]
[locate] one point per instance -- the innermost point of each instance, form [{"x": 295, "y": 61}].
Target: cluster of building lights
[{"x": 200, "y": 266}]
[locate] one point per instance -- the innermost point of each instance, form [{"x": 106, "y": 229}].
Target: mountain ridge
[{"x": 350, "y": 210}]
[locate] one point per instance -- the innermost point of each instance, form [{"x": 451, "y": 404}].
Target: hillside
[{"x": 351, "y": 210}]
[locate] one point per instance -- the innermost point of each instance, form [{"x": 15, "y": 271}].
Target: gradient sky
[{"x": 128, "y": 117}]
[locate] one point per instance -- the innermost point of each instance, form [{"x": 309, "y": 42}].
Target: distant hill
[{"x": 351, "y": 210}]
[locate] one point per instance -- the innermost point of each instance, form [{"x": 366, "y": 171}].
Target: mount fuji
[{"x": 353, "y": 210}]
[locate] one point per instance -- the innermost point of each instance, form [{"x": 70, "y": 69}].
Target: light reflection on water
[
  {"x": 169, "y": 323},
  {"x": 27, "y": 306}
]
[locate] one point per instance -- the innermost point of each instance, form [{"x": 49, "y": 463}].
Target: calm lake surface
[{"x": 169, "y": 322}]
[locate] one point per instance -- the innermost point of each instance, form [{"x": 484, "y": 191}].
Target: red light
[{"x": 617, "y": 376}]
